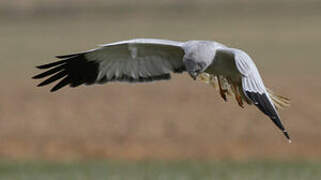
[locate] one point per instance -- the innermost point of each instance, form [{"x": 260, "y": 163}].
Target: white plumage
[{"x": 145, "y": 60}]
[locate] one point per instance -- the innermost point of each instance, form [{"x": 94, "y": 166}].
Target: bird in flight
[{"x": 231, "y": 70}]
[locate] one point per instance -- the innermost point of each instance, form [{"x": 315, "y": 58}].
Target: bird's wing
[
  {"x": 137, "y": 60},
  {"x": 252, "y": 83}
]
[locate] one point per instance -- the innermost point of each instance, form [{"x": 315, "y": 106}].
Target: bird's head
[{"x": 194, "y": 68}]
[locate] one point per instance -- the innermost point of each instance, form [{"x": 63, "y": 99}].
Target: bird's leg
[
  {"x": 238, "y": 96},
  {"x": 222, "y": 91},
  {"x": 213, "y": 81}
]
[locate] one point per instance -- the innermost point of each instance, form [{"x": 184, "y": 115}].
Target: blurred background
[{"x": 180, "y": 129}]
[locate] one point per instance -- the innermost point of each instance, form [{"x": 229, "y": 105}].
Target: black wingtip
[
  {"x": 40, "y": 67},
  {"x": 35, "y": 77},
  {"x": 41, "y": 84},
  {"x": 64, "y": 82},
  {"x": 49, "y": 65},
  {"x": 263, "y": 103},
  {"x": 53, "y": 90},
  {"x": 68, "y": 56},
  {"x": 53, "y": 78},
  {"x": 62, "y": 56},
  {"x": 287, "y": 136}
]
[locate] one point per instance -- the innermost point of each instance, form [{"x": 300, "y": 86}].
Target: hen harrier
[{"x": 146, "y": 60}]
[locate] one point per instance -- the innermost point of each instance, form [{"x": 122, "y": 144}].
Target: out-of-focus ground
[
  {"x": 178, "y": 119},
  {"x": 169, "y": 170}
]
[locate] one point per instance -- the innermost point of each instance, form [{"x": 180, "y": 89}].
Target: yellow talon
[{"x": 204, "y": 77}]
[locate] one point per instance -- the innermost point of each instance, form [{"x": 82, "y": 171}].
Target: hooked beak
[{"x": 193, "y": 75}]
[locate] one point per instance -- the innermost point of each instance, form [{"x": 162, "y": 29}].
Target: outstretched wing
[
  {"x": 252, "y": 84},
  {"x": 137, "y": 60}
]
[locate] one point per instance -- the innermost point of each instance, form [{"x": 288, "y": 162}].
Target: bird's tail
[{"x": 279, "y": 101}]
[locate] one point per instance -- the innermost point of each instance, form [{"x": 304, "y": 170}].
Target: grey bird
[{"x": 146, "y": 60}]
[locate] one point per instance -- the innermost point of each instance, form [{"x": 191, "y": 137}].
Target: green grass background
[{"x": 160, "y": 170}]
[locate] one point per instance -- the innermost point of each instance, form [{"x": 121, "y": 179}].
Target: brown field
[{"x": 178, "y": 119}]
